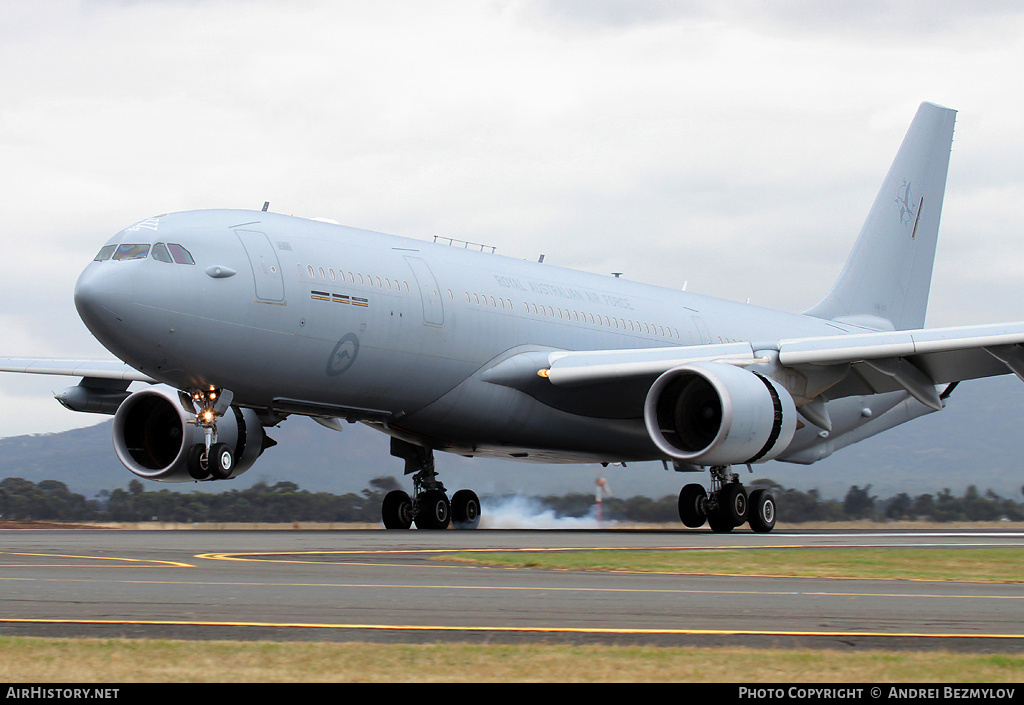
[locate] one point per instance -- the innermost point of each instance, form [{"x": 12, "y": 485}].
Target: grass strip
[
  {"x": 989, "y": 565},
  {"x": 44, "y": 660}
]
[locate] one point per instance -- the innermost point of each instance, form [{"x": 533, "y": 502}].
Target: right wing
[{"x": 95, "y": 369}]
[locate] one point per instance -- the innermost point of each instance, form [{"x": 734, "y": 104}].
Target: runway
[{"x": 398, "y": 587}]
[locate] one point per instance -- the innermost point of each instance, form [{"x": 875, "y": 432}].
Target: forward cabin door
[{"x": 266, "y": 269}]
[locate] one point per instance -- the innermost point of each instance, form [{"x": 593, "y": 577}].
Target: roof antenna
[
  {"x": 616, "y": 274},
  {"x": 266, "y": 205}
]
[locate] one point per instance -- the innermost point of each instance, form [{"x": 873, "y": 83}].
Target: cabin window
[
  {"x": 160, "y": 253},
  {"x": 131, "y": 252},
  {"x": 105, "y": 253}
]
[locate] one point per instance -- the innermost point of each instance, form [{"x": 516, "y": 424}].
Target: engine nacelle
[
  {"x": 712, "y": 413},
  {"x": 153, "y": 436}
]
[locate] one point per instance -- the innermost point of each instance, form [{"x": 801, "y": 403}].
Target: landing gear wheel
[
  {"x": 465, "y": 510},
  {"x": 433, "y": 510},
  {"x": 761, "y": 511},
  {"x": 720, "y": 523},
  {"x": 198, "y": 462},
  {"x": 732, "y": 503},
  {"x": 396, "y": 510},
  {"x": 692, "y": 501},
  {"x": 222, "y": 461}
]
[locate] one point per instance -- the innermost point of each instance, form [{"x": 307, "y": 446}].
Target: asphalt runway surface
[{"x": 395, "y": 587}]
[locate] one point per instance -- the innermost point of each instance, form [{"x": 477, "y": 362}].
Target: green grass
[{"x": 990, "y": 565}]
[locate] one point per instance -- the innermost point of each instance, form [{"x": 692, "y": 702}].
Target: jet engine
[
  {"x": 712, "y": 413},
  {"x": 153, "y": 435}
]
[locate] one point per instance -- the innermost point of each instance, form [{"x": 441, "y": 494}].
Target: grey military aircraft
[{"x": 238, "y": 319}]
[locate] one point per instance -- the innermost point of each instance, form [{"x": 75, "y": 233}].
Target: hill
[{"x": 975, "y": 440}]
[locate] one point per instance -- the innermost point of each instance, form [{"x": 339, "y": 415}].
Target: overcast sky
[{"x": 734, "y": 147}]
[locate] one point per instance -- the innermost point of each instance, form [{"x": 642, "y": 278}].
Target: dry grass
[{"x": 35, "y": 660}]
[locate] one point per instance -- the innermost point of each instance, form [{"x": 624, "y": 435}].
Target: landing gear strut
[
  {"x": 210, "y": 459},
  {"x": 727, "y": 505},
  {"x": 429, "y": 507}
]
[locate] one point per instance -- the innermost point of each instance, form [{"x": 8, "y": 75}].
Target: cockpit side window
[
  {"x": 180, "y": 254},
  {"x": 160, "y": 253},
  {"x": 105, "y": 253},
  {"x": 127, "y": 251}
]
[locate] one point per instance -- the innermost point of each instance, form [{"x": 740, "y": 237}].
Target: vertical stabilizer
[{"x": 887, "y": 277}]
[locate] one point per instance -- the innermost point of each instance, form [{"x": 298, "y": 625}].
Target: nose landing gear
[{"x": 210, "y": 459}]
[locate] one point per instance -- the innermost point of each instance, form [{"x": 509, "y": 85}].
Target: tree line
[{"x": 285, "y": 502}]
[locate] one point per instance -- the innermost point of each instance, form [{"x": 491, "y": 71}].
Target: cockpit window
[
  {"x": 131, "y": 252},
  {"x": 105, "y": 253},
  {"x": 180, "y": 254},
  {"x": 160, "y": 253}
]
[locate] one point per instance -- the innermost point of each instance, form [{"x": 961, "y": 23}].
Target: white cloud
[{"x": 734, "y": 146}]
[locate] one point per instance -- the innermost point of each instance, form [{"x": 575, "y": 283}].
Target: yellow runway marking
[
  {"x": 133, "y": 562},
  {"x": 538, "y": 629}
]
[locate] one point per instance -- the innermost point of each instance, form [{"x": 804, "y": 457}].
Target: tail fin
[{"x": 886, "y": 279}]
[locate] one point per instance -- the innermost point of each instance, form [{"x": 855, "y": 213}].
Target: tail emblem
[{"x": 908, "y": 211}]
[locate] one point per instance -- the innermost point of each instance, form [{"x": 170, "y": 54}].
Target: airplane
[{"x": 238, "y": 319}]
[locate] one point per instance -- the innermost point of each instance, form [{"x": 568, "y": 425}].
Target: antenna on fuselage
[
  {"x": 541, "y": 260},
  {"x": 266, "y": 205}
]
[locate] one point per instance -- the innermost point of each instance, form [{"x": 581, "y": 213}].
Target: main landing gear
[
  {"x": 429, "y": 507},
  {"x": 727, "y": 505}
]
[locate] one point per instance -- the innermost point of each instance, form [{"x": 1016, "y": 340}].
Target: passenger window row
[
  {"x": 564, "y": 314},
  {"x": 353, "y": 278}
]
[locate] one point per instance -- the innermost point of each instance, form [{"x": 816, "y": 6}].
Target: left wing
[{"x": 822, "y": 368}]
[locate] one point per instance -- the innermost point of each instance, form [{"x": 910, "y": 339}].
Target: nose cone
[{"x": 103, "y": 296}]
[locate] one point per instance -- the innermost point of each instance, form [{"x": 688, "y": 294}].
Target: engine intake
[
  {"x": 711, "y": 413},
  {"x": 153, "y": 436}
]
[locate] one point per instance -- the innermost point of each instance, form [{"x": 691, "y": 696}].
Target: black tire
[
  {"x": 433, "y": 510},
  {"x": 720, "y": 523},
  {"x": 221, "y": 461},
  {"x": 396, "y": 510},
  {"x": 692, "y": 506},
  {"x": 732, "y": 503},
  {"x": 465, "y": 509},
  {"x": 761, "y": 511},
  {"x": 198, "y": 467}
]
